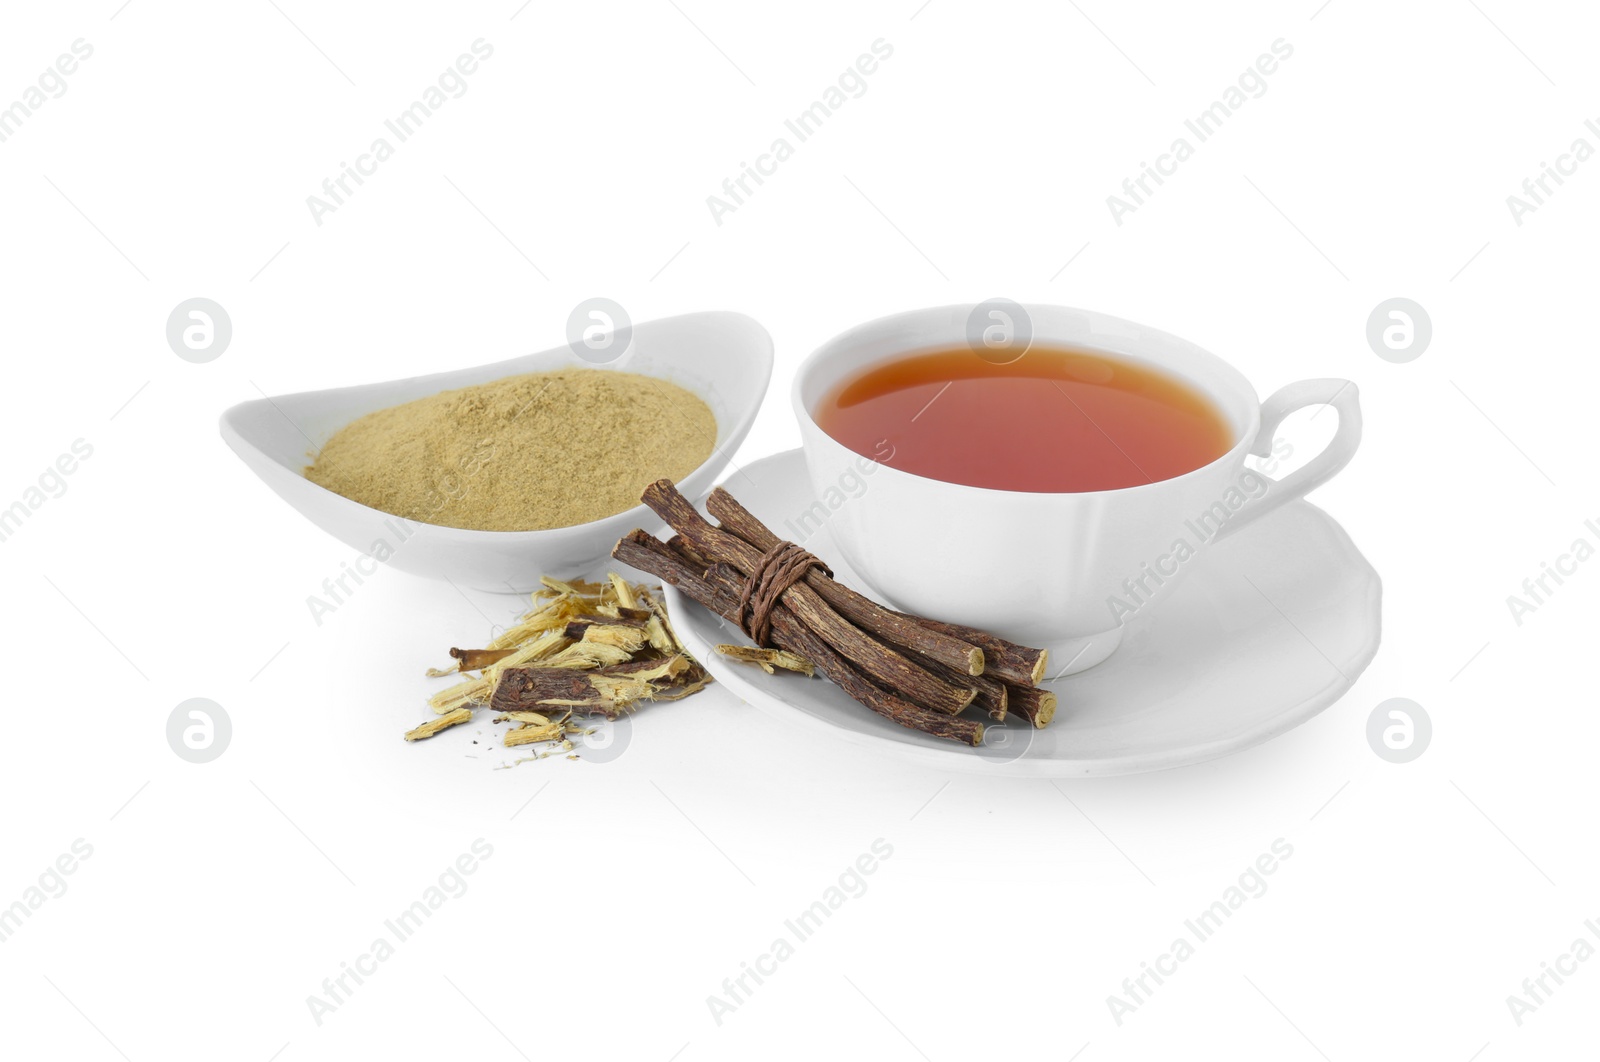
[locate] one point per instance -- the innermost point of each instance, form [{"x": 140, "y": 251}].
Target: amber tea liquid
[{"x": 1054, "y": 420}]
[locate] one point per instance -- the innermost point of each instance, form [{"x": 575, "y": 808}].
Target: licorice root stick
[
  {"x": 880, "y": 663},
  {"x": 868, "y": 614},
  {"x": 718, "y": 588}
]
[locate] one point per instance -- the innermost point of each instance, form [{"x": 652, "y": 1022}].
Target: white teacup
[{"x": 1062, "y": 571}]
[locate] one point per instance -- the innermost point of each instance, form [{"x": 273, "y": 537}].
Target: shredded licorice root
[
  {"x": 584, "y": 649},
  {"x": 768, "y": 660}
]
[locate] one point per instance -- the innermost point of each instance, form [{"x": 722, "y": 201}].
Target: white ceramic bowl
[{"x": 725, "y": 358}]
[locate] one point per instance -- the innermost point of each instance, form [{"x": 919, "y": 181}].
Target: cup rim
[{"x": 1240, "y": 448}]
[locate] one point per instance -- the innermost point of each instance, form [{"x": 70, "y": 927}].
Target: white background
[{"x": 219, "y": 896}]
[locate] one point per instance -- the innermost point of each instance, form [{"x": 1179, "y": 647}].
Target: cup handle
[{"x": 1344, "y": 397}]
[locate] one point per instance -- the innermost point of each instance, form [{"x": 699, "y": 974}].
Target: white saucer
[{"x": 1269, "y": 628}]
